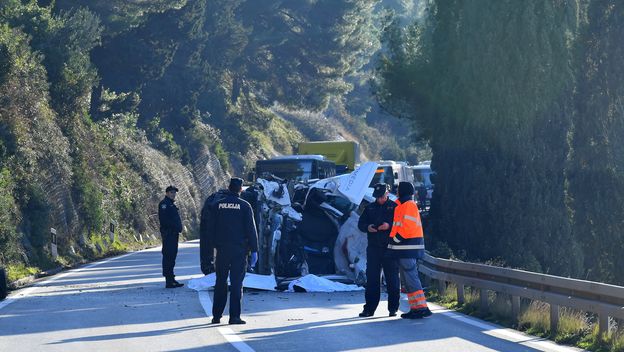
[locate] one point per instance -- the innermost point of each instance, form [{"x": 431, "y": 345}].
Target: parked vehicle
[
  {"x": 346, "y": 154},
  {"x": 391, "y": 173},
  {"x": 423, "y": 184}
]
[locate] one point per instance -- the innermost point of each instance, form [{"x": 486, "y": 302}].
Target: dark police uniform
[
  {"x": 233, "y": 234},
  {"x": 170, "y": 228},
  {"x": 376, "y": 214},
  {"x": 206, "y": 247}
]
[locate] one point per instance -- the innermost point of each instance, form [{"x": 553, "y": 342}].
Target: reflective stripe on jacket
[{"x": 406, "y": 236}]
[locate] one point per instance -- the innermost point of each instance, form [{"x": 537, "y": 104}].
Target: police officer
[
  {"x": 170, "y": 228},
  {"x": 232, "y": 231},
  {"x": 375, "y": 221}
]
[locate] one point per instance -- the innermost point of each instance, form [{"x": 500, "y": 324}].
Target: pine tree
[
  {"x": 493, "y": 94},
  {"x": 597, "y": 169}
]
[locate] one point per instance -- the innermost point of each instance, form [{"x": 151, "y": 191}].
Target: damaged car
[{"x": 311, "y": 227}]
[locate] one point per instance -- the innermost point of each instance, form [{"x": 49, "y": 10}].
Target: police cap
[
  {"x": 379, "y": 190},
  {"x": 236, "y": 184},
  {"x": 171, "y": 188}
]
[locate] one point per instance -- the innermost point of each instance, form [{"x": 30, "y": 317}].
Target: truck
[
  {"x": 423, "y": 183},
  {"x": 392, "y": 172},
  {"x": 298, "y": 168},
  {"x": 346, "y": 154}
]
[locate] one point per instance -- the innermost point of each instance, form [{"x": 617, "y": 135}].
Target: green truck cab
[{"x": 346, "y": 154}]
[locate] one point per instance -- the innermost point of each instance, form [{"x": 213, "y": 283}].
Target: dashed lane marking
[{"x": 229, "y": 334}]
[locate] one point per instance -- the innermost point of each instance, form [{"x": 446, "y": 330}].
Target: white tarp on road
[
  {"x": 259, "y": 282},
  {"x": 313, "y": 283}
]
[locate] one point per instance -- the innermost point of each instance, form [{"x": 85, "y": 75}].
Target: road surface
[{"x": 120, "y": 304}]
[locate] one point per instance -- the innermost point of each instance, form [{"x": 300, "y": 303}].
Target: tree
[
  {"x": 491, "y": 87},
  {"x": 596, "y": 172}
]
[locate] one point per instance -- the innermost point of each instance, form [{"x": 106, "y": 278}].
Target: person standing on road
[
  {"x": 375, "y": 221},
  {"x": 232, "y": 231},
  {"x": 170, "y": 229},
  {"x": 407, "y": 244}
]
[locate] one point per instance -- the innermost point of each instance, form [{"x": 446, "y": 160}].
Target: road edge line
[{"x": 24, "y": 293}]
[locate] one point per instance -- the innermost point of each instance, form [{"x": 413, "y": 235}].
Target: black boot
[
  {"x": 236, "y": 321},
  {"x": 170, "y": 282},
  {"x": 366, "y": 314},
  {"x": 409, "y": 315}
]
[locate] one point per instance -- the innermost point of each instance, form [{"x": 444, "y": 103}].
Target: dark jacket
[
  {"x": 206, "y": 247},
  {"x": 169, "y": 217},
  {"x": 232, "y": 224},
  {"x": 376, "y": 214}
]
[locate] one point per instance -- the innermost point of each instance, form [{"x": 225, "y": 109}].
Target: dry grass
[
  {"x": 575, "y": 327},
  {"x": 535, "y": 319}
]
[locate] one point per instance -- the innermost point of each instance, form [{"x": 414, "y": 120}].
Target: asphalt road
[{"x": 120, "y": 304}]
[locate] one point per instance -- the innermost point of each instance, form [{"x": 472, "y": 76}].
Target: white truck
[
  {"x": 423, "y": 184},
  {"x": 391, "y": 173}
]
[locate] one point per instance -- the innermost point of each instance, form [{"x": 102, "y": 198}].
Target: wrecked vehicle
[{"x": 311, "y": 228}]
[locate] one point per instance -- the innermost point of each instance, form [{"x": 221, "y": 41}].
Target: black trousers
[
  {"x": 375, "y": 262},
  {"x": 234, "y": 263},
  {"x": 169, "y": 253}
]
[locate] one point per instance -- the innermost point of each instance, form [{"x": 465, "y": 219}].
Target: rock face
[{"x": 157, "y": 171}]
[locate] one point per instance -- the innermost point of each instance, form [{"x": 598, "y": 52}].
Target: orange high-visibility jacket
[{"x": 406, "y": 236}]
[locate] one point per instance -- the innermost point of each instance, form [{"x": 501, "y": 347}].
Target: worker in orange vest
[{"x": 407, "y": 245}]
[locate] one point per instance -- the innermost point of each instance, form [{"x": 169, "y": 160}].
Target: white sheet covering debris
[
  {"x": 313, "y": 283},
  {"x": 259, "y": 282},
  {"x": 350, "y": 250}
]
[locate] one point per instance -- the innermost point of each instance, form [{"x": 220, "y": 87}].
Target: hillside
[{"x": 105, "y": 103}]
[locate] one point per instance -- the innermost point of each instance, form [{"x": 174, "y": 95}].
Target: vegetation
[
  {"x": 575, "y": 327},
  {"x": 105, "y": 103},
  {"x": 522, "y": 105}
]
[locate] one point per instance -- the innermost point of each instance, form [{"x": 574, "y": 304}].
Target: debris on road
[
  {"x": 255, "y": 281},
  {"x": 313, "y": 283}
]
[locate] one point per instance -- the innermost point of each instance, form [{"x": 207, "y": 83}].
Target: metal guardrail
[{"x": 603, "y": 299}]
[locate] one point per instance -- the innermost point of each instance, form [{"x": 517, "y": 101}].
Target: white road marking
[
  {"x": 227, "y": 333},
  {"x": 26, "y": 292},
  {"x": 503, "y": 333},
  {"x": 236, "y": 341}
]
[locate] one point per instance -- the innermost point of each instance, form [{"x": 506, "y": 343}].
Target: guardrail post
[
  {"x": 603, "y": 323},
  {"x": 460, "y": 294},
  {"x": 483, "y": 295},
  {"x": 515, "y": 307},
  {"x": 554, "y": 318},
  {"x": 111, "y": 231},
  {"x": 53, "y": 246}
]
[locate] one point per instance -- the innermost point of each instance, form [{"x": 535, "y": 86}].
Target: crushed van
[{"x": 311, "y": 228}]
